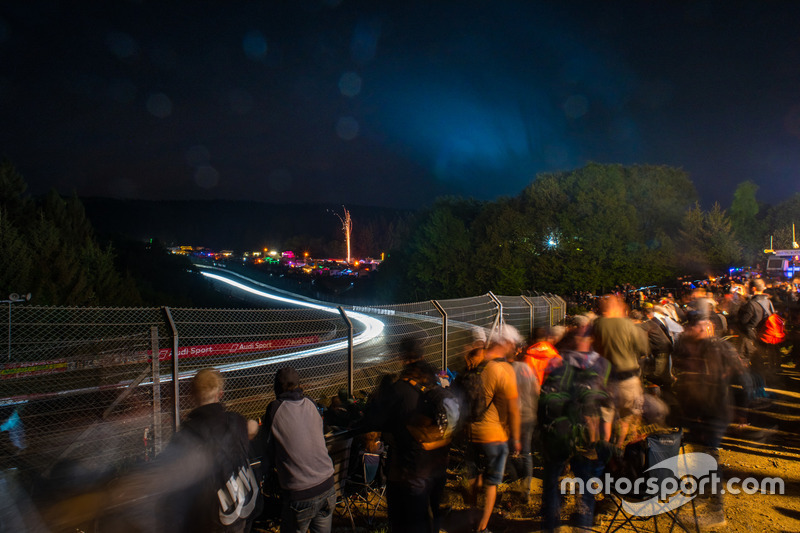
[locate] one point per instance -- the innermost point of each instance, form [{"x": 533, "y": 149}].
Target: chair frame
[
  {"x": 366, "y": 491},
  {"x": 671, "y": 514}
]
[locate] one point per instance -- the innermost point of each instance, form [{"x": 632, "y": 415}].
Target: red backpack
[{"x": 772, "y": 329}]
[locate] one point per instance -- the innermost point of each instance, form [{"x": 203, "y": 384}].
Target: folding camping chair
[
  {"x": 366, "y": 487},
  {"x": 639, "y": 457}
]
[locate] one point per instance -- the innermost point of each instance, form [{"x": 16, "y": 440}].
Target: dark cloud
[{"x": 394, "y": 103}]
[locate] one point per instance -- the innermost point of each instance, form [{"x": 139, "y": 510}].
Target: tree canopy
[{"x": 592, "y": 228}]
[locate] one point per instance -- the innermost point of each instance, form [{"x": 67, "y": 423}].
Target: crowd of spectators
[{"x": 646, "y": 360}]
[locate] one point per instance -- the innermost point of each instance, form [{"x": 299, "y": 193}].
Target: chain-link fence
[{"x": 99, "y": 388}]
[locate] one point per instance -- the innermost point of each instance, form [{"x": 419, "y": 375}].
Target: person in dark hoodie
[
  {"x": 416, "y": 476},
  {"x": 295, "y": 445}
]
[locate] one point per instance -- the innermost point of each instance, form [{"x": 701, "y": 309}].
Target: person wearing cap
[
  {"x": 295, "y": 445},
  {"x": 661, "y": 343},
  {"x": 499, "y": 426}
]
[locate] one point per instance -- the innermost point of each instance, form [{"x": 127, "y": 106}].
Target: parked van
[{"x": 783, "y": 264}]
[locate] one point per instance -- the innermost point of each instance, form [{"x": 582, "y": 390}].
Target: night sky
[{"x": 392, "y": 103}]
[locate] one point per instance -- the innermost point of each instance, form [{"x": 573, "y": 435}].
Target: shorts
[
  {"x": 628, "y": 397},
  {"x": 487, "y": 458}
]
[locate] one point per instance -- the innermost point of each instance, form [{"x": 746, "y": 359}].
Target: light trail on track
[{"x": 373, "y": 327}]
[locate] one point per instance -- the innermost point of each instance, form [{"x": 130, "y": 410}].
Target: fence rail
[{"x": 99, "y": 387}]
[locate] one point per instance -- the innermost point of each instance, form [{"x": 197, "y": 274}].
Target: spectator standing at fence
[
  {"x": 582, "y": 378},
  {"x": 201, "y": 483},
  {"x": 764, "y": 358},
  {"x": 416, "y": 477},
  {"x": 542, "y": 355},
  {"x": 528, "y": 390},
  {"x": 489, "y": 436},
  {"x": 295, "y": 445},
  {"x": 622, "y": 343},
  {"x": 191, "y": 478}
]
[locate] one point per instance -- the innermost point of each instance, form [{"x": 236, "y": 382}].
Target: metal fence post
[
  {"x": 444, "y": 332},
  {"x": 498, "y": 320},
  {"x": 156, "y": 360},
  {"x": 350, "y": 355},
  {"x": 176, "y": 393},
  {"x": 562, "y": 308},
  {"x": 550, "y": 308},
  {"x": 530, "y": 304}
]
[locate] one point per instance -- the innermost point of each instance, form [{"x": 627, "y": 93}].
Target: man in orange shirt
[
  {"x": 542, "y": 355},
  {"x": 499, "y": 425}
]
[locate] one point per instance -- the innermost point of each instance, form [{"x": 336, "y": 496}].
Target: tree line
[
  {"x": 49, "y": 248},
  {"x": 591, "y": 229}
]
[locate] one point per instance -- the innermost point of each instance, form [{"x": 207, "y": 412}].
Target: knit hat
[{"x": 286, "y": 379}]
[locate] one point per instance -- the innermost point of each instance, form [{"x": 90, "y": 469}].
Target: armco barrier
[{"x": 81, "y": 387}]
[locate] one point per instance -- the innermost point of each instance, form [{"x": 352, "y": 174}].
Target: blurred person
[
  {"x": 416, "y": 477},
  {"x": 622, "y": 343},
  {"x": 661, "y": 343},
  {"x": 202, "y": 482},
  {"x": 674, "y": 311},
  {"x": 732, "y": 302},
  {"x": 702, "y": 302},
  {"x": 220, "y": 438},
  {"x": 590, "y": 416},
  {"x": 764, "y": 358},
  {"x": 490, "y": 437},
  {"x": 706, "y": 365},
  {"x": 294, "y": 442},
  {"x": 637, "y": 316},
  {"x": 528, "y": 390},
  {"x": 542, "y": 354}
]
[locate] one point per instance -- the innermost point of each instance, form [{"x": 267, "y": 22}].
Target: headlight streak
[{"x": 372, "y": 329}]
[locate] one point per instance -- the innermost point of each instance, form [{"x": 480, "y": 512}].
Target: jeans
[
  {"x": 314, "y": 514},
  {"x": 582, "y": 468},
  {"x": 523, "y": 464},
  {"x": 488, "y": 458},
  {"x": 586, "y": 469}
]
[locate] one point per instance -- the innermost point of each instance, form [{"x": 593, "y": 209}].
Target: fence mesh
[{"x": 93, "y": 387}]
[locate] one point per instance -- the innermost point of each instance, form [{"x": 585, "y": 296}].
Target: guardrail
[{"x": 85, "y": 386}]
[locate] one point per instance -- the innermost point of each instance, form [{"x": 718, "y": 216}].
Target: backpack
[
  {"x": 439, "y": 416},
  {"x": 569, "y": 396},
  {"x": 772, "y": 329},
  {"x": 470, "y": 387}
]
